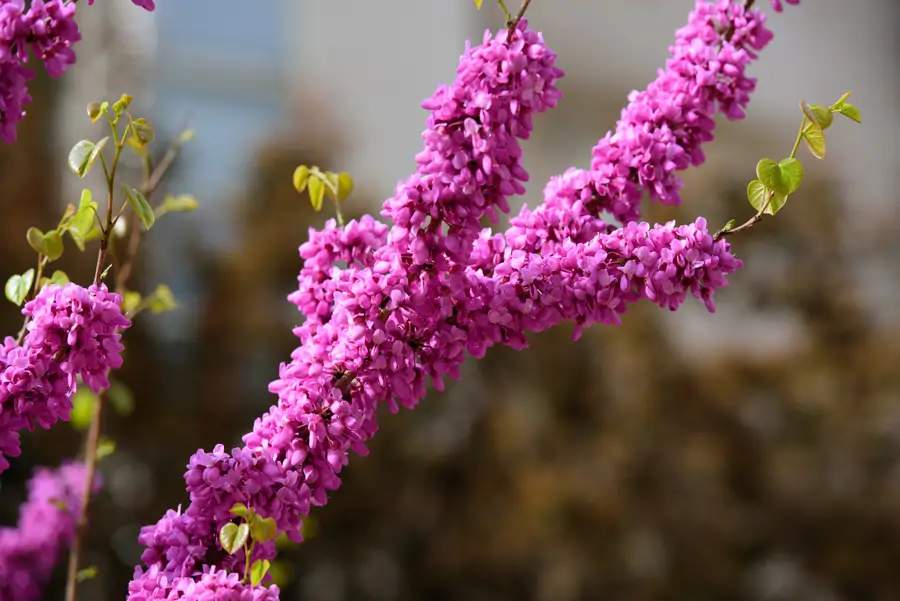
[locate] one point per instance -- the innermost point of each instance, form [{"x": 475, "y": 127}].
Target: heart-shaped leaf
[
  {"x": 17, "y": 287},
  {"x": 258, "y": 571},
  {"x": 232, "y": 537}
]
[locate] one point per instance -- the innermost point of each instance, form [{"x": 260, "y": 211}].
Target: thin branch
[{"x": 515, "y": 22}]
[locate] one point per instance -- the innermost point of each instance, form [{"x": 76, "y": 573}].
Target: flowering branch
[{"x": 415, "y": 298}]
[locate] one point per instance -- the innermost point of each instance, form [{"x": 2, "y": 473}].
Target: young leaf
[
  {"x": 232, "y": 539},
  {"x": 161, "y": 300},
  {"x": 105, "y": 448},
  {"x": 95, "y": 153},
  {"x": 258, "y": 571},
  {"x": 822, "y": 115},
  {"x": 17, "y": 287},
  {"x": 791, "y": 174},
  {"x": 82, "y": 407},
  {"x": 301, "y": 177},
  {"x": 729, "y": 226},
  {"x": 35, "y": 239},
  {"x": 177, "y": 204},
  {"x": 757, "y": 194},
  {"x": 140, "y": 206},
  {"x": 316, "y": 193},
  {"x": 815, "y": 140},
  {"x": 775, "y": 203},
  {"x": 88, "y": 573},
  {"x": 143, "y": 131},
  {"x": 768, "y": 173},
  {"x": 263, "y": 529},
  {"x": 53, "y": 245},
  {"x": 80, "y": 157},
  {"x": 95, "y": 110},
  {"x": 82, "y": 223},
  {"x": 331, "y": 185},
  {"x": 130, "y": 301},
  {"x": 345, "y": 186},
  {"x": 850, "y": 111},
  {"x": 59, "y": 278},
  {"x": 121, "y": 105},
  {"x": 239, "y": 509}
]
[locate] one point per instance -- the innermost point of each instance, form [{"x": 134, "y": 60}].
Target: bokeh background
[{"x": 753, "y": 454}]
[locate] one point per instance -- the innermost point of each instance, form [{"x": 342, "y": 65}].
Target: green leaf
[
  {"x": 345, "y": 186},
  {"x": 59, "y": 278},
  {"x": 791, "y": 174},
  {"x": 768, "y": 173},
  {"x": 130, "y": 301},
  {"x": 83, "y": 222},
  {"x": 258, "y": 571},
  {"x": 105, "y": 448},
  {"x": 239, "y": 509},
  {"x": 316, "y": 193},
  {"x": 263, "y": 529},
  {"x": 17, "y": 287},
  {"x": 729, "y": 226},
  {"x": 121, "y": 398},
  {"x": 815, "y": 140},
  {"x": 140, "y": 206},
  {"x": 331, "y": 185},
  {"x": 232, "y": 537},
  {"x": 143, "y": 131},
  {"x": 87, "y": 573},
  {"x": 35, "y": 239},
  {"x": 177, "y": 204},
  {"x": 53, "y": 245},
  {"x": 301, "y": 177},
  {"x": 95, "y": 110},
  {"x": 161, "y": 300},
  {"x": 822, "y": 115},
  {"x": 121, "y": 105},
  {"x": 757, "y": 194},
  {"x": 81, "y": 157},
  {"x": 775, "y": 203},
  {"x": 105, "y": 271},
  {"x": 82, "y": 407},
  {"x": 851, "y": 111}
]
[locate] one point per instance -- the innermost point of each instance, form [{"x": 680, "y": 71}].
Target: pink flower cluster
[
  {"x": 49, "y": 29},
  {"x": 72, "y": 331},
  {"x": 29, "y": 551},
  {"x": 389, "y": 309},
  {"x": 211, "y": 585}
]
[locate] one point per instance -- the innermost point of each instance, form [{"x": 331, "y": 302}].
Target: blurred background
[{"x": 753, "y": 454}]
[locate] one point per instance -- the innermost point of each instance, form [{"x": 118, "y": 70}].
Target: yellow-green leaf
[
  {"x": 757, "y": 194},
  {"x": 140, "y": 206},
  {"x": 345, "y": 186},
  {"x": 258, "y": 571},
  {"x": 316, "y": 193},
  {"x": 301, "y": 177},
  {"x": 815, "y": 140}
]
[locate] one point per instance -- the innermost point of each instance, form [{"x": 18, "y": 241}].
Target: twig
[
  {"x": 515, "y": 22},
  {"x": 134, "y": 239},
  {"x": 93, "y": 440}
]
